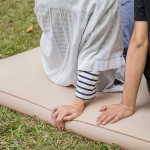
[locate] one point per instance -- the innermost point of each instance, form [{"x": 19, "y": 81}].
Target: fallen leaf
[
  {"x": 30, "y": 29},
  {"x": 0, "y": 55}
]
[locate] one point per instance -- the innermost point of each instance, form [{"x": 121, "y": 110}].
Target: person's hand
[
  {"x": 65, "y": 113},
  {"x": 113, "y": 113}
]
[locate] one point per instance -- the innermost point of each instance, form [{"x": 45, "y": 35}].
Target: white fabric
[
  {"x": 120, "y": 75},
  {"x": 80, "y": 35},
  {"x": 106, "y": 82}
]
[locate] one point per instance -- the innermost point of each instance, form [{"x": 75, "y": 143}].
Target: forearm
[
  {"x": 79, "y": 102},
  {"x": 135, "y": 64}
]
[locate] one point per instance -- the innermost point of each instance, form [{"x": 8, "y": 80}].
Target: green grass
[
  {"x": 20, "y": 131},
  {"x": 17, "y": 130},
  {"x": 15, "y": 17}
]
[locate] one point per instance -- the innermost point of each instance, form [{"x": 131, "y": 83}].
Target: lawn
[{"x": 17, "y": 130}]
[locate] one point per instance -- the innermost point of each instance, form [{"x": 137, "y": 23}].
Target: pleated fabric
[{"x": 80, "y": 35}]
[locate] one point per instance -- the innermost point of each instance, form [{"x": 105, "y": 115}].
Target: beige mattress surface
[{"x": 24, "y": 87}]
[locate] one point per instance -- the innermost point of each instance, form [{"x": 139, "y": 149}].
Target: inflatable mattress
[{"x": 24, "y": 87}]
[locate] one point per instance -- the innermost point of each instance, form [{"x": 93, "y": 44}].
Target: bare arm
[
  {"x": 136, "y": 61},
  {"x": 85, "y": 90}
]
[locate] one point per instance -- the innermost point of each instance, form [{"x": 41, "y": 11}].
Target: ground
[{"x": 17, "y": 130}]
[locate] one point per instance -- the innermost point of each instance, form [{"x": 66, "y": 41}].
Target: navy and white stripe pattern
[{"x": 86, "y": 84}]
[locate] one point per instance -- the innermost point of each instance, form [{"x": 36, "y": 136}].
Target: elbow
[{"x": 139, "y": 45}]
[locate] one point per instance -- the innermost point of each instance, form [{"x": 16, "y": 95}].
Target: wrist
[
  {"x": 128, "y": 107},
  {"x": 79, "y": 102}
]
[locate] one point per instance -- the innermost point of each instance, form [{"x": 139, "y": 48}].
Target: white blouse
[{"x": 82, "y": 35}]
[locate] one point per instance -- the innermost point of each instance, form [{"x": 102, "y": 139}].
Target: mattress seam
[
  {"x": 75, "y": 119},
  {"x": 25, "y": 100},
  {"x": 112, "y": 130}
]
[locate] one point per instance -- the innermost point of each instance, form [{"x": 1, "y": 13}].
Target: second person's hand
[{"x": 113, "y": 113}]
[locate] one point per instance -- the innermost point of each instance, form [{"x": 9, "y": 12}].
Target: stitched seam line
[{"x": 75, "y": 119}]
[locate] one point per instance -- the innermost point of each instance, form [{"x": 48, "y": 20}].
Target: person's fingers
[
  {"x": 101, "y": 115},
  {"x": 60, "y": 117},
  {"x": 116, "y": 119},
  {"x": 102, "y": 119},
  {"x": 110, "y": 118},
  {"x": 61, "y": 124},
  {"x": 70, "y": 117},
  {"x": 54, "y": 117},
  {"x": 53, "y": 111},
  {"x": 103, "y": 108},
  {"x": 58, "y": 125}
]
